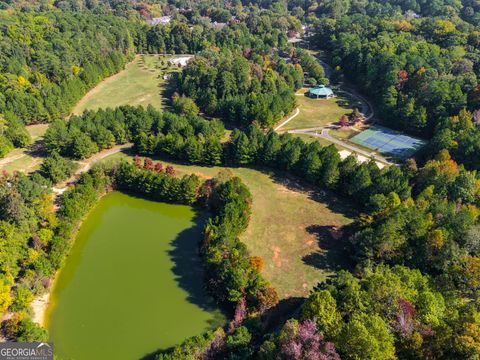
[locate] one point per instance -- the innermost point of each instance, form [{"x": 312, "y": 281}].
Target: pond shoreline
[
  {"x": 41, "y": 302},
  {"x": 86, "y": 313}
]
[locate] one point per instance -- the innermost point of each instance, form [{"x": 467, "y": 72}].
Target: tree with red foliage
[
  {"x": 148, "y": 164},
  {"x": 402, "y": 79},
  {"x": 170, "y": 170},
  {"x": 240, "y": 312},
  {"x": 406, "y": 317},
  {"x": 159, "y": 167},
  {"x": 301, "y": 342},
  {"x": 138, "y": 161},
  {"x": 344, "y": 121}
]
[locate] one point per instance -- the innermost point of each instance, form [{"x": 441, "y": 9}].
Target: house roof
[
  {"x": 321, "y": 90},
  {"x": 160, "y": 20}
]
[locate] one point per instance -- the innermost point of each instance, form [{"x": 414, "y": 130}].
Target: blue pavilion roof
[{"x": 321, "y": 90}]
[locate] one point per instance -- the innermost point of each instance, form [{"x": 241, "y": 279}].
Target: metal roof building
[{"x": 320, "y": 92}]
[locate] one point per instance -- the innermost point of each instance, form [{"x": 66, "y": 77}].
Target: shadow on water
[
  {"x": 188, "y": 264},
  {"x": 189, "y": 273}
]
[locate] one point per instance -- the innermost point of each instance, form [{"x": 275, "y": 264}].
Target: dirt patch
[
  {"x": 39, "y": 308},
  {"x": 276, "y": 256}
]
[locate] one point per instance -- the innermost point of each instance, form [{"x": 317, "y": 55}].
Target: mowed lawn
[
  {"x": 318, "y": 112},
  {"x": 290, "y": 228},
  {"x": 139, "y": 84}
]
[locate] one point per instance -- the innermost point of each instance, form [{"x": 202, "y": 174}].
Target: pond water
[{"x": 133, "y": 283}]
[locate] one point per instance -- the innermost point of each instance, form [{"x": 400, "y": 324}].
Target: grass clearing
[
  {"x": 292, "y": 227},
  {"x": 343, "y": 133},
  {"x": 318, "y": 112},
  {"x": 141, "y": 83},
  {"x": 26, "y": 159}
]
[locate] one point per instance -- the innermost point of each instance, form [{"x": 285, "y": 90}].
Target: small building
[
  {"x": 180, "y": 61},
  {"x": 219, "y": 25},
  {"x": 320, "y": 92},
  {"x": 163, "y": 20}
]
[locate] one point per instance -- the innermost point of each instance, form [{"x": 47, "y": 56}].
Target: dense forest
[
  {"x": 412, "y": 288},
  {"x": 47, "y": 64}
]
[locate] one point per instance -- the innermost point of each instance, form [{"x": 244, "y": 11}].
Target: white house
[
  {"x": 163, "y": 20},
  {"x": 182, "y": 61}
]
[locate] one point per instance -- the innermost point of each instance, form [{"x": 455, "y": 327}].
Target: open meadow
[
  {"x": 318, "y": 112},
  {"x": 141, "y": 83},
  {"x": 293, "y": 228}
]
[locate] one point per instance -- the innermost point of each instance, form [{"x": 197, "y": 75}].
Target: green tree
[
  {"x": 322, "y": 308},
  {"x": 366, "y": 337},
  {"x": 56, "y": 168}
]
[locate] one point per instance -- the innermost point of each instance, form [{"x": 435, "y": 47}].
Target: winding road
[{"x": 323, "y": 132}]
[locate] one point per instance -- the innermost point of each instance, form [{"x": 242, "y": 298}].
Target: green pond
[{"x": 133, "y": 283}]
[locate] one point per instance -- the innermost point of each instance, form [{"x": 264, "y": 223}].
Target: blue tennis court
[{"x": 389, "y": 142}]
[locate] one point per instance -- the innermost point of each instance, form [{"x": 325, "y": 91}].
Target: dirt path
[
  {"x": 11, "y": 158},
  {"x": 86, "y": 164}
]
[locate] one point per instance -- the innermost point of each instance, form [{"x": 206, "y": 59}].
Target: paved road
[
  {"x": 297, "y": 111},
  {"x": 324, "y": 133}
]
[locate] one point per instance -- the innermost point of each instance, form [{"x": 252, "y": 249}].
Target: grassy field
[
  {"x": 25, "y": 159},
  {"x": 343, "y": 133},
  {"x": 317, "y": 112},
  {"x": 308, "y": 139},
  {"x": 141, "y": 83},
  {"x": 291, "y": 227}
]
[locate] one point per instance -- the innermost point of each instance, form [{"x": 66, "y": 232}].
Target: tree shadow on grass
[
  {"x": 333, "y": 202},
  {"x": 274, "y": 318},
  {"x": 36, "y": 150},
  {"x": 332, "y": 255},
  {"x": 346, "y": 101}
]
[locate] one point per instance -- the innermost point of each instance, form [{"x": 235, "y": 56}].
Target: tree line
[
  {"x": 238, "y": 90},
  {"x": 37, "y": 239}
]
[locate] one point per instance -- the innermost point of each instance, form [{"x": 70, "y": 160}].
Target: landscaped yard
[
  {"x": 290, "y": 228},
  {"x": 141, "y": 83},
  {"x": 318, "y": 112}
]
